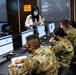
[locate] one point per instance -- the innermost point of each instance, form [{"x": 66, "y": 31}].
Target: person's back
[
  {"x": 63, "y": 49},
  {"x": 64, "y": 52},
  {"x": 47, "y": 61},
  {"x": 71, "y": 35},
  {"x": 71, "y": 32}
]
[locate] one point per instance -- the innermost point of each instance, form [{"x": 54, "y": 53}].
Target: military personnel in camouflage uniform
[
  {"x": 71, "y": 32},
  {"x": 72, "y": 35},
  {"x": 43, "y": 61},
  {"x": 63, "y": 48}
]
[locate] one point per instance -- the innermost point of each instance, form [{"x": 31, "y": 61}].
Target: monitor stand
[
  {"x": 11, "y": 55},
  {"x": 2, "y": 59},
  {"x": 42, "y": 39},
  {"x": 24, "y": 50},
  {"x": 8, "y": 57}
]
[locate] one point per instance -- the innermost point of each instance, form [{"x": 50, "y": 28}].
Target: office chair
[
  {"x": 74, "y": 51},
  {"x": 63, "y": 71},
  {"x": 73, "y": 66}
]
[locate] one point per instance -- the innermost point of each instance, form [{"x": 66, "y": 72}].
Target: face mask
[
  {"x": 56, "y": 38},
  {"x": 35, "y": 13},
  {"x": 28, "y": 49}
]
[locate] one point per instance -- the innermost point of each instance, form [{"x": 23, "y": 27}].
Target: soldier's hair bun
[{"x": 59, "y": 31}]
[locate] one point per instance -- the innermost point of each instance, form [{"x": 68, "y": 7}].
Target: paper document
[
  {"x": 15, "y": 58},
  {"x": 36, "y": 23}
]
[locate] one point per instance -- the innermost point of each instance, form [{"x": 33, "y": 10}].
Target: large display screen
[{"x": 55, "y": 10}]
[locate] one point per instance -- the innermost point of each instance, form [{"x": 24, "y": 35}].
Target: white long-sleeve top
[{"x": 29, "y": 21}]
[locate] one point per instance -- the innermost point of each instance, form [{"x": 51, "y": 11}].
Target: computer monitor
[
  {"x": 6, "y": 45},
  {"x": 41, "y": 31},
  {"x": 7, "y": 28},
  {"x": 24, "y": 34},
  {"x": 51, "y": 27}
]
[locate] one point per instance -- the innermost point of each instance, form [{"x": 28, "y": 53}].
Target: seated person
[
  {"x": 70, "y": 30},
  {"x": 63, "y": 48},
  {"x": 43, "y": 61}
]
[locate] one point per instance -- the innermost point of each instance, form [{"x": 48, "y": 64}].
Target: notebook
[{"x": 15, "y": 58}]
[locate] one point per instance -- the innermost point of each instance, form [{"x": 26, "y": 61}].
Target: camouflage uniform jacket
[
  {"x": 72, "y": 35},
  {"x": 43, "y": 62},
  {"x": 63, "y": 51}
]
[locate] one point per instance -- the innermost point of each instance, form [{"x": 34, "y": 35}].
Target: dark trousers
[{"x": 35, "y": 30}]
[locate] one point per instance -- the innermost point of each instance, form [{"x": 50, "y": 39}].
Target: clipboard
[{"x": 36, "y": 23}]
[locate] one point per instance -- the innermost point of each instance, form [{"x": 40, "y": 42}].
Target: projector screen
[{"x": 6, "y": 45}]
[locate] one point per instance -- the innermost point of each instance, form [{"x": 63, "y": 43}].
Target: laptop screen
[
  {"x": 24, "y": 34},
  {"x": 41, "y": 31},
  {"x": 51, "y": 27},
  {"x": 6, "y": 45}
]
